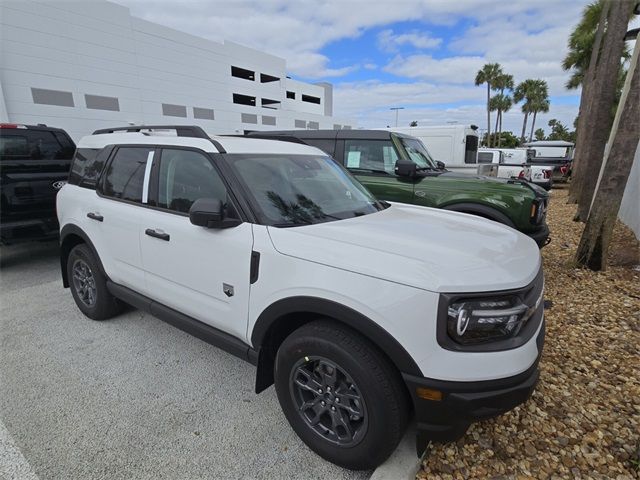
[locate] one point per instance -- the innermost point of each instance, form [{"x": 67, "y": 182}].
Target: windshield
[
  {"x": 289, "y": 190},
  {"x": 418, "y": 153}
]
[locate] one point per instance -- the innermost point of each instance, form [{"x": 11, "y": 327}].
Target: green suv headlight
[
  {"x": 538, "y": 211},
  {"x": 475, "y": 321}
]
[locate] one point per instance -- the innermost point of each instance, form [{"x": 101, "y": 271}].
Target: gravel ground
[{"x": 583, "y": 420}]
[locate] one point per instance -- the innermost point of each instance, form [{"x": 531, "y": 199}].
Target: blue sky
[{"x": 418, "y": 54}]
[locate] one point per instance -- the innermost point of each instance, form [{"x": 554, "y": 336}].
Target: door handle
[
  {"x": 95, "y": 216},
  {"x": 156, "y": 234}
]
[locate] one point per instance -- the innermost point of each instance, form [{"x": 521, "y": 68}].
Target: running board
[{"x": 205, "y": 332}]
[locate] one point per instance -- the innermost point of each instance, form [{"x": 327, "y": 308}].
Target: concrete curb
[{"x": 403, "y": 463}]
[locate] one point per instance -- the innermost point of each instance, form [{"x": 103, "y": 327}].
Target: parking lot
[{"x": 128, "y": 398}]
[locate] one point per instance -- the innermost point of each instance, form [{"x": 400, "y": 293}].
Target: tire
[
  {"x": 89, "y": 287},
  {"x": 364, "y": 432}
]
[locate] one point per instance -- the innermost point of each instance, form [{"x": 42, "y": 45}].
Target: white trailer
[
  {"x": 511, "y": 163},
  {"x": 454, "y": 145}
]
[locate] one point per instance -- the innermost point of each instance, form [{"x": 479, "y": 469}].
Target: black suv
[{"x": 34, "y": 165}]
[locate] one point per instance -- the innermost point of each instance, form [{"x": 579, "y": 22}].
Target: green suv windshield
[
  {"x": 289, "y": 190},
  {"x": 417, "y": 152}
]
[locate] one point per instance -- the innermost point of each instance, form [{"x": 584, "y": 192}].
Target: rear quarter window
[{"x": 86, "y": 167}]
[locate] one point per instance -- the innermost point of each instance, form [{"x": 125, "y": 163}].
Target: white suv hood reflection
[{"x": 422, "y": 247}]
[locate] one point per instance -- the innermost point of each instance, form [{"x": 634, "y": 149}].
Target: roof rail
[{"x": 181, "y": 131}]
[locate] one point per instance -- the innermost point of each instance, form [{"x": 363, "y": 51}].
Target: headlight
[
  {"x": 475, "y": 321},
  {"x": 538, "y": 211}
]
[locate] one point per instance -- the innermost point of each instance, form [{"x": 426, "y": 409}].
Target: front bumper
[
  {"x": 463, "y": 403},
  {"x": 540, "y": 236}
]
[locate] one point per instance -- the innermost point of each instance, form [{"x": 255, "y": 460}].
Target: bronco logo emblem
[{"x": 58, "y": 185}]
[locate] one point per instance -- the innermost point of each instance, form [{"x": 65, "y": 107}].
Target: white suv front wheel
[{"x": 340, "y": 394}]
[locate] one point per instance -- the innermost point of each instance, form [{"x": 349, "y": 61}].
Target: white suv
[{"x": 361, "y": 312}]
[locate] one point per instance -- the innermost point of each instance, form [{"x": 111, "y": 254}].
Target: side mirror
[
  {"x": 405, "y": 168},
  {"x": 209, "y": 213},
  {"x": 441, "y": 165}
]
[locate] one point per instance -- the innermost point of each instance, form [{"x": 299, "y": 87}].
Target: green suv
[{"x": 398, "y": 168}]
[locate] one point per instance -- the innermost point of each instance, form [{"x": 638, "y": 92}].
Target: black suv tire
[
  {"x": 89, "y": 285},
  {"x": 357, "y": 403}
]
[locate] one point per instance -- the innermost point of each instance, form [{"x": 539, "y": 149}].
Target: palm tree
[
  {"x": 535, "y": 94},
  {"x": 522, "y": 92},
  {"x": 540, "y": 104},
  {"x": 488, "y": 75},
  {"x": 581, "y": 42},
  {"x": 502, "y": 102},
  {"x": 539, "y": 134}
]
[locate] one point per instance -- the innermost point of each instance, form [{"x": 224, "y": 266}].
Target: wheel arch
[
  {"x": 481, "y": 210},
  {"x": 284, "y": 316},
  {"x": 70, "y": 236}
]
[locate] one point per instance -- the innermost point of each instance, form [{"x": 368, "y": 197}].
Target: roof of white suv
[{"x": 229, "y": 144}]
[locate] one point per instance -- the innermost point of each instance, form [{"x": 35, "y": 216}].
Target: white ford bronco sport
[{"x": 363, "y": 313}]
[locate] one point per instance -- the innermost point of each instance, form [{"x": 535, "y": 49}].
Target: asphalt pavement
[{"x": 127, "y": 398}]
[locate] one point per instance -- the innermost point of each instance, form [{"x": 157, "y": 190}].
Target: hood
[
  {"x": 482, "y": 182},
  {"x": 426, "y": 248}
]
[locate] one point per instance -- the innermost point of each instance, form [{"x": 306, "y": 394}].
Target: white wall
[
  {"x": 630, "y": 208},
  {"x": 98, "y": 48}
]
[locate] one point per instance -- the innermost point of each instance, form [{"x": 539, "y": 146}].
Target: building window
[
  {"x": 346, "y": 127},
  {"x": 243, "y": 73},
  {"x": 203, "y": 113},
  {"x": 300, "y": 124},
  {"x": 291, "y": 95},
  {"x": 52, "y": 97},
  {"x": 311, "y": 99},
  {"x": 264, "y": 78},
  {"x": 244, "y": 99},
  {"x": 170, "y": 110},
  {"x": 98, "y": 102},
  {"x": 249, "y": 118},
  {"x": 269, "y": 103},
  {"x": 268, "y": 120},
  {"x": 337, "y": 126},
  {"x": 313, "y": 125}
]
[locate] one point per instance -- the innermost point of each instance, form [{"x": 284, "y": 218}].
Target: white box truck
[{"x": 454, "y": 145}]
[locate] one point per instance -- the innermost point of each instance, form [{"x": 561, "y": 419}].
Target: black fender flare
[
  {"x": 65, "y": 247},
  {"x": 482, "y": 210},
  {"x": 287, "y": 308}
]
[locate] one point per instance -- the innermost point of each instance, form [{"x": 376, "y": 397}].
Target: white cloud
[
  {"x": 527, "y": 38},
  {"x": 429, "y": 104},
  {"x": 391, "y": 42}
]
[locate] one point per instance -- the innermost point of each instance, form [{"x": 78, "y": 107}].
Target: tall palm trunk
[
  {"x": 488, "y": 115},
  {"x": 500, "y": 130},
  {"x": 582, "y": 129},
  {"x": 624, "y": 140},
  {"x": 524, "y": 126},
  {"x": 533, "y": 124},
  {"x": 601, "y": 97}
]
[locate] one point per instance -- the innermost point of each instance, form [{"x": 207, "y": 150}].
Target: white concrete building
[{"x": 87, "y": 65}]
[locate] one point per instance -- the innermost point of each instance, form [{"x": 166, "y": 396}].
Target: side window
[
  {"x": 186, "y": 176},
  {"x": 86, "y": 167},
  {"x": 124, "y": 176},
  {"x": 485, "y": 157},
  {"x": 373, "y": 155}
]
